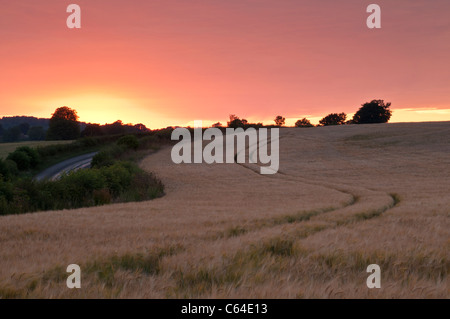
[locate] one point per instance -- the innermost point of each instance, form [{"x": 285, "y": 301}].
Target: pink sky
[{"x": 171, "y": 62}]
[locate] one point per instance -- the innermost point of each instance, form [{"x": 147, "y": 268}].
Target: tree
[
  {"x": 36, "y": 133},
  {"x": 24, "y": 127},
  {"x": 373, "y": 112},
  {"x": 279, "y": 120},
  {"x": 141, "y": 128},
  {"x": 304, "y": 122},
  {"x": 218, "y": 124},
  {"x": 236, "y": 122},
  {"x": 129, "y": 141},
  {"x": 12, "y": 134},
  {"x": 64, "y": 125},
  {"x": 115, "y": 128},
  {"x": 333, "y": 119},
  {"x": 92, "y": 130}
]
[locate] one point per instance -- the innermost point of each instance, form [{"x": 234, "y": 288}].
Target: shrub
[
  {"x": 279, "y": 120},
  {"x": 117, "y": 178},
  {"x": 88, "y": 141},
  {"x": 148, "y": 142},
  {"x": 129, "y": 141},
  {"x": 333, "y": 119},
  {"x": 102, "y": 159},
  {"x": 6, "y": 190},
  {"x": 101, "y": 197},
  {"x": 32, "y": 154},
  {"x": 21, "y": 158},
  {"x": 304, "y": 122},
  {"x": 375, "y": 111},
  {"x": 107, "y": 156},
  {"x": 81, "y": 184},
  {"x": 8, "y": 169}
]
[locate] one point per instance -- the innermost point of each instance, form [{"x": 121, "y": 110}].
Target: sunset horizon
[{"x": 168, "y": 64}]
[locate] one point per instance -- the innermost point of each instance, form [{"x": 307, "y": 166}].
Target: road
[{"x": 74, "y": 163}]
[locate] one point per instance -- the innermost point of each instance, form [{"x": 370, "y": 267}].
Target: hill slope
[{"x": 345, "y": 197}]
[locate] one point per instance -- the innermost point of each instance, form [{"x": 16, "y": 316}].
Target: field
[
  {"x": 345, "y": 197},
  {"x": 6, "y": 148}
]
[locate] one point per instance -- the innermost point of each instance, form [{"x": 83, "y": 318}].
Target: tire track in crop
[{"x": 366, "y": 203}]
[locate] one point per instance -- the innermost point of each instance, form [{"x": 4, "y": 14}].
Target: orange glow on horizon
[{"x": 168, "y": 63}]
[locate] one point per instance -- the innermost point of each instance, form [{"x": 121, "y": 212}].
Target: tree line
[
  {"x": 63, "y": 125},
  {"x": 375, "y": 111}
]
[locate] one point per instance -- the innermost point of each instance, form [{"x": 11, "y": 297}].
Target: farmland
[{"x": 345, "y": 197}]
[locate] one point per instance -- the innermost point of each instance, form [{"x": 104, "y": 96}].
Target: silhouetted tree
[
  {"x": 304, "y": 122},
  {"x": 218, "y": 124},
  {"x": 24, "y": 127},
  {"x": 140, "y": 128},
  {"x": 236, "y": 122},
  {"x": 36, "y": 133},
  {"x": 333, "y": 119},
  {"x": 64, "y": 125},
  {"x": 373, "y": 112},
  {"x": 279, "y": 120},
  {"x": 115, "y": 128},
  {"x": 92, "y": 130}
]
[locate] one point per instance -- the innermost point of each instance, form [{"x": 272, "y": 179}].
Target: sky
[{"x": 170, "y": 62}]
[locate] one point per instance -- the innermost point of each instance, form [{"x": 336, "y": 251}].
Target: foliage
[
  {"x": 236, "y": 122},
  {"x": 120, "y": 182},
  {"x": 279, "y": 120},
  {"x": 333, "y": 119},
  {"x": 129, "y": 141},
  {"x": 21, "y": 158},
  {"x": 36, "y": 133},
  {"x": 8, "y": 169},
  {"x": 304, "y": 122},
  {"x": 375, "y": 111},
  {"x": 64, "y": 125},
  {"x": 25, "y": 158},
  {"x": 12, "y": 134},
  {"x": 92, "y": 130}
]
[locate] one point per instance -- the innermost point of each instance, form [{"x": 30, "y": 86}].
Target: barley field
[{"x": 344, "y": 198}]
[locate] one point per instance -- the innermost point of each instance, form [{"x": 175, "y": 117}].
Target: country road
[{"x": 74, "y": 163}]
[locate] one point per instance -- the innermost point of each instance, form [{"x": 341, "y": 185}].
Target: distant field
[
  {"x": 345, "y": 197},
  {"x": 6, "y": 148}
]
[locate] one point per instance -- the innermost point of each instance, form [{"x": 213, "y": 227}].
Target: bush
[
  {"x": 373, "y": 112},
  {"x": 107, "y": 156},
  {"x": 8, "y": 169},
  {"x": 102, "y": 159},
  {"x": 36, "y": 133},
  {"x": 144, "y": 186},
  {"x": 6, "y": 190},
  {"x": 107, "y": 182},
  {"x": 304, "y": 122},
  {"x": 32, "y": 154},
  {"x": 129, "y": 141},
  {"x": 279, "y": 120},
  {"x": 333, "y": 119},
  {"x": 117, "y": 178},
  {"x": 21, "y": 158},
  {"x": 148, "y": 142},
  {"x": 101, "y": 197}
]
